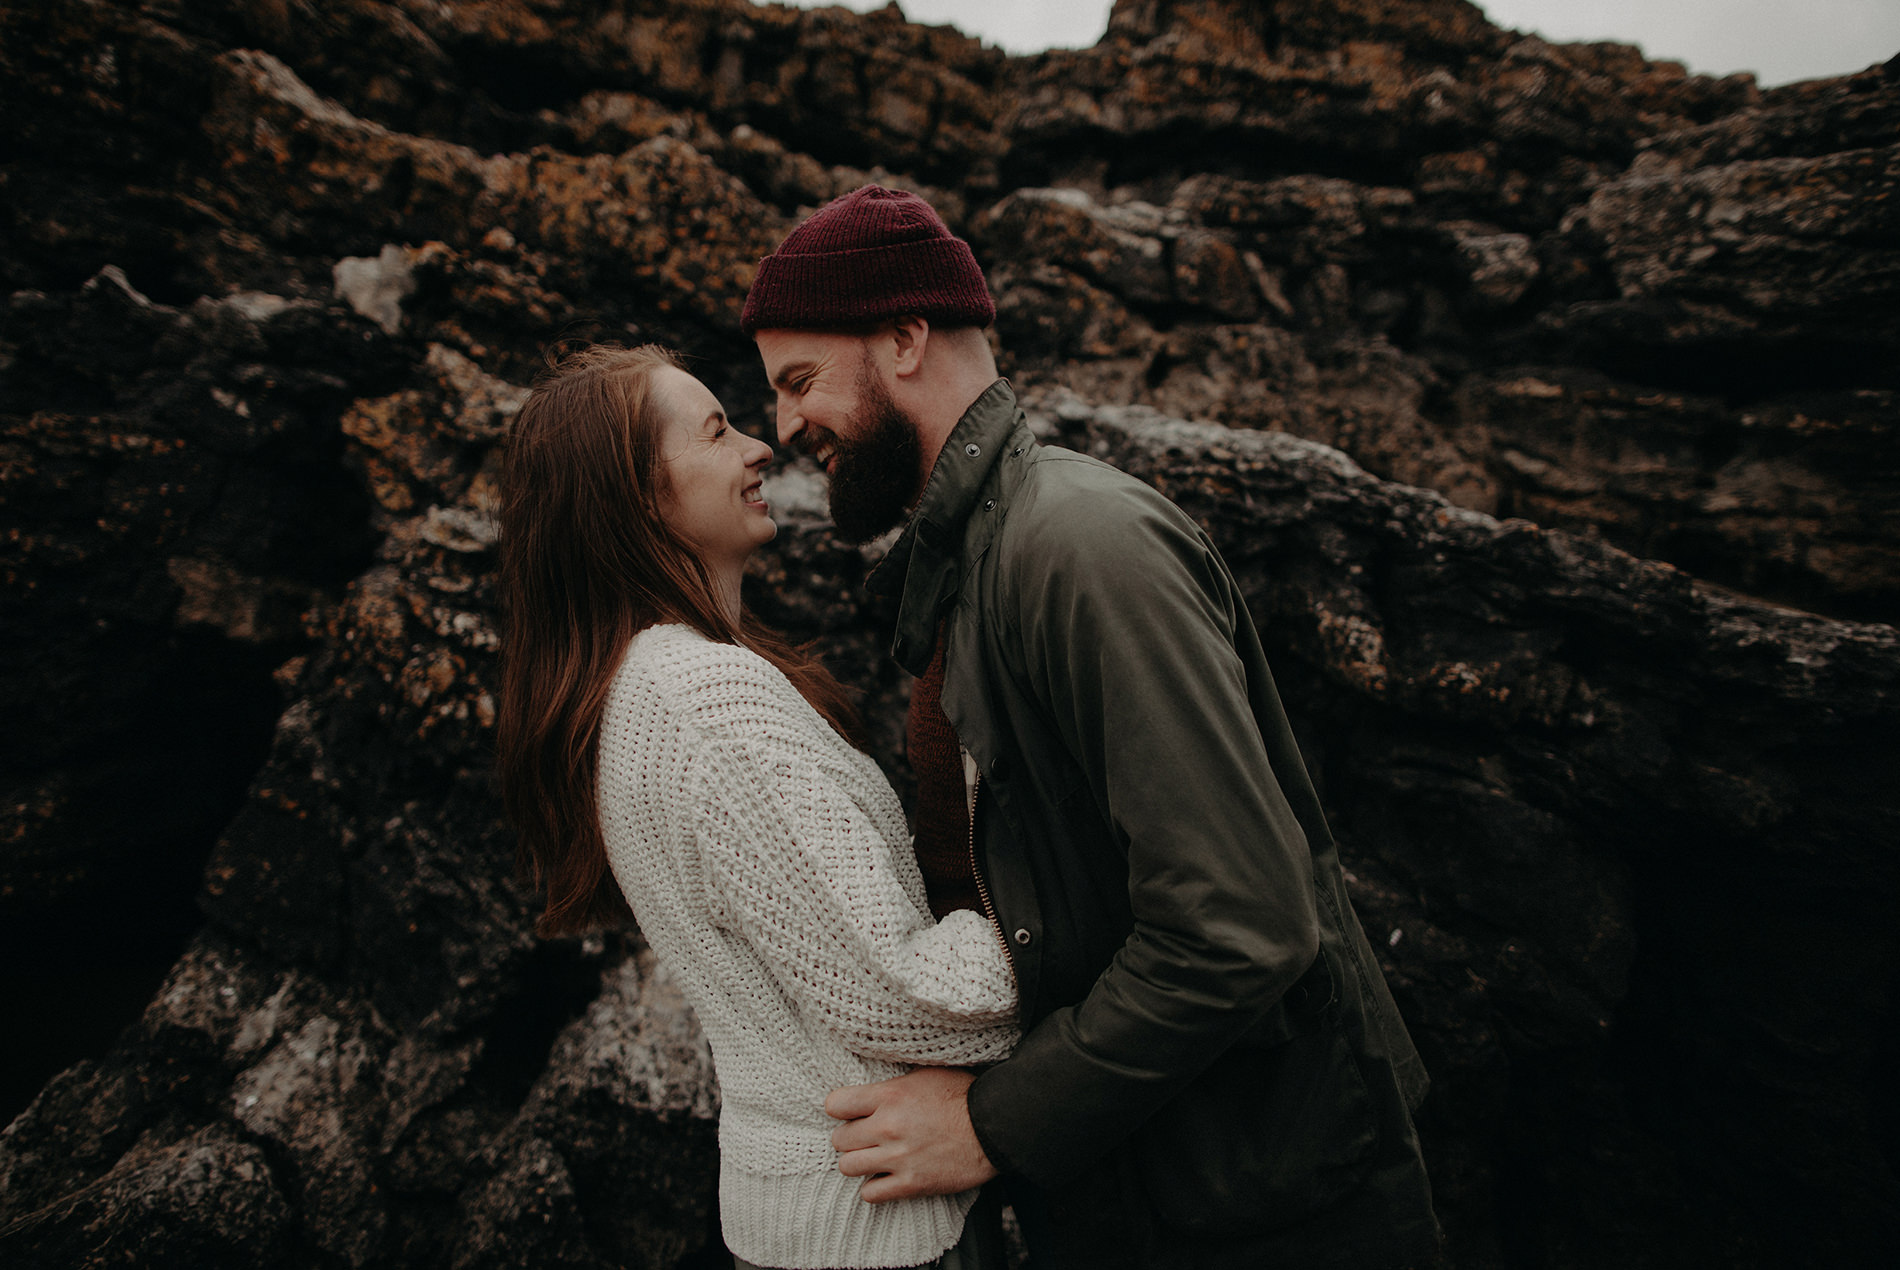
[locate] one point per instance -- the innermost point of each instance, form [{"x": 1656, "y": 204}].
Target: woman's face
[{"x": 713, "y": 472}]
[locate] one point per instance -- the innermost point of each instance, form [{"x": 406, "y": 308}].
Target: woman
[{"x": 660, "y": 749}]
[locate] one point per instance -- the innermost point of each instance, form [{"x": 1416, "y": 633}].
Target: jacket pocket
[{"x": 1264, "y": 1138}]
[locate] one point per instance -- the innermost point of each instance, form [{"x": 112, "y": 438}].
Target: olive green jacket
[{"x": 1210, "y": 1050}]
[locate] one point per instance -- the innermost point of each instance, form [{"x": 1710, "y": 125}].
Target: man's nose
[{"x": 788, "y": 423}]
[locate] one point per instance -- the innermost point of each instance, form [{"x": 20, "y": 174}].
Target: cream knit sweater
[{"x": 768, "y": 865}]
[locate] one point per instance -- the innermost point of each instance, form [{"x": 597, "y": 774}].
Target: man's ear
[{"x": 910, "y": 336}]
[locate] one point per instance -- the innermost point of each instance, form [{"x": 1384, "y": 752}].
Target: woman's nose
[{"x": 759, "y": 456}]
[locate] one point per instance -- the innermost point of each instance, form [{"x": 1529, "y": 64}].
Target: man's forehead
[{"x": 785, "y": 350}]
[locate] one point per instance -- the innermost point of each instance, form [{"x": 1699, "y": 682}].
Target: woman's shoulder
[
  {"x": 680, "y": 654},
  {"x": 678, "y": 670}
]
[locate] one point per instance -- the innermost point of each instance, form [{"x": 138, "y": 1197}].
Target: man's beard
[{"x": 874, "y": 474}]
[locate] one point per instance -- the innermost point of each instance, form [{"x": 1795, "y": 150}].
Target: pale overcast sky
[{"x": 1779, "y": 40}]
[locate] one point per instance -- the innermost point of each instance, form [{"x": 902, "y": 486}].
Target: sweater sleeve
[{"x": 825, "y": 889}]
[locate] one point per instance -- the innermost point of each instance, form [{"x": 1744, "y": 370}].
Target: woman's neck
[{"x": 725, "y": 584}]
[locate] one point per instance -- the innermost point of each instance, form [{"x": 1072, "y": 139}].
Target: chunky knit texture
[
  {"x": 767, "y": 864},
  {"x": 867, "y": 256}
]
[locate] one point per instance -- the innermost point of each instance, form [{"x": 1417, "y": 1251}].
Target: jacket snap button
[
  {"x": 999, "y": 768},
  {"x": 989, "y": 504},
  {"x": 973, "y": 449},
  {"x": 1022, "y": 935}
]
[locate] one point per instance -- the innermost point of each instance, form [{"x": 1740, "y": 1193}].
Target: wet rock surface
[{"x": 1542, "y": 398}]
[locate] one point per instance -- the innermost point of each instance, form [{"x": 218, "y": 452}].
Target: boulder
[{"x": 1539, "y": 395}]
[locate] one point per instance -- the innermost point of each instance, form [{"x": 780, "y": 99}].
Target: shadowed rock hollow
[{"x": 1542, "y": 397}]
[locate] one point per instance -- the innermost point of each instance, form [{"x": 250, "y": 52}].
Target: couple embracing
[{"x": 1114, "y": 979}]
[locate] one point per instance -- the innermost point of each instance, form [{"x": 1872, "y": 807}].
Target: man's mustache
[{"x": 812, "y": 439}]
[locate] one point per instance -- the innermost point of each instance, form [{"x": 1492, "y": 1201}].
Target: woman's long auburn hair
[{"x": 587, "y": 561}]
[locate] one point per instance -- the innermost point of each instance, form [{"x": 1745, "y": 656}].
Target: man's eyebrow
[{"x": 790, "y": 372}]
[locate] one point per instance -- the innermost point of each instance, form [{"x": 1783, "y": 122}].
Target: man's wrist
[{"x": 975, "y": 1106}]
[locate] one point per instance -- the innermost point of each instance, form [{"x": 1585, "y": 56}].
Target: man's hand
[{"x": 909, "y": 1136}]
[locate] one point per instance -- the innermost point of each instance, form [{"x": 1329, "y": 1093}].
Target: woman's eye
[{"x": 721, "y": 433}]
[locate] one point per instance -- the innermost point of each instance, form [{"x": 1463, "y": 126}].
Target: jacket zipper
[{"x": 982, "y": 887}]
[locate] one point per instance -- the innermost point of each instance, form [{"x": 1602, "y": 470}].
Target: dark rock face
[
  {"x": 276, "y": 277},
  {"x": 1549, "y": 281},
  {"x": 1592, "y": 864}
]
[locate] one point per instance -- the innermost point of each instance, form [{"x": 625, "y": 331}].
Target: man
[{"x": 1212, "y": 1071}]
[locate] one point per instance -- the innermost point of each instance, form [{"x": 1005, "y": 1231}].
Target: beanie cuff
[{"x": 932, "y": 279}]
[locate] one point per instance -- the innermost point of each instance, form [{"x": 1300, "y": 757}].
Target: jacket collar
[{"x": 925, "y": 565}]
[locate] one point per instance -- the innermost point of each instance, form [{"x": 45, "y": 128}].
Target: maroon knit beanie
[{"x": 871, "y": 255}]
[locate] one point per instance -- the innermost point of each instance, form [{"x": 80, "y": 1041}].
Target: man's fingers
[
  {"x": 865, "y": 1163},
  {"x": 909, "y": 1135},
  {"x": 853, "y": 1101},
  {"x": 855, "y": 1135},
  {"x": 887, "y": 1187}
]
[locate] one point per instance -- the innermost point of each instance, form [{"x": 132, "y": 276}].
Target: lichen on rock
[{"x": 1540, "y": 396}]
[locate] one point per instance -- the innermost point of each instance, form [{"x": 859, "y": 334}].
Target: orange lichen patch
[
  {"x": 409, "y": 438},
  {"x": 430, "y": 676},
  {"x": 381, "y": 422},
  {"x": 504, "y": 21},
  {"x": 74, "y": 435},
  {"x": 617, "y": 120},
  {"x": 1374, "y": 57},
  {"x": 1464, "y": 679},
  {"x": 483, "y": 494},
  {"x": 375, "y": 611},
  {"x": 1354, "y": 649},
  {"x": 212, "y": 594}
]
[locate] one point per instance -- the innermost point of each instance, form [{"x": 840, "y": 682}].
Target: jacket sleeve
[
  {"x": 1127, "y": 638},
  {"x": 829, "y": 895}
]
